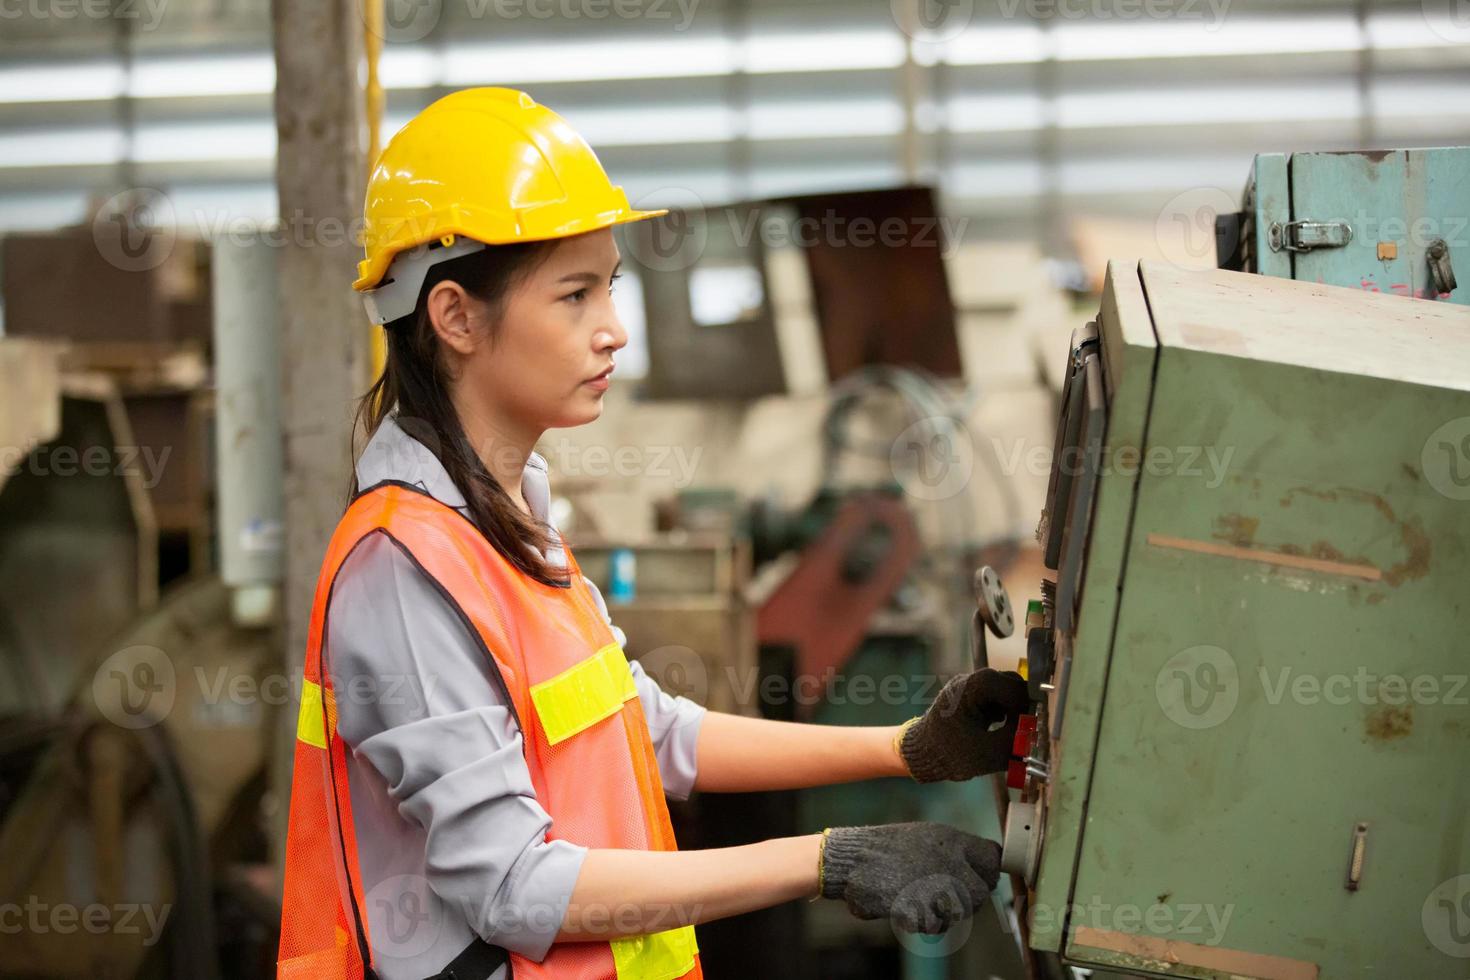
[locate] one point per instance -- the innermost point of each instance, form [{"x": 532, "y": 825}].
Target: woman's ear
[{"x": 451, "y": 313}]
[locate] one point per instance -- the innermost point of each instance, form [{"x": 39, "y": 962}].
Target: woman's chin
[{"x": 584, "y": 411}]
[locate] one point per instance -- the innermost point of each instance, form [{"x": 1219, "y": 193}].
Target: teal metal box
[
  {"x": 1389, "y": 221},
  {"x": 1258, "y": 736}
]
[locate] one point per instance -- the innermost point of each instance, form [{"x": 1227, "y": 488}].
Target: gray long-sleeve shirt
[{"x": 450, "y": 838}]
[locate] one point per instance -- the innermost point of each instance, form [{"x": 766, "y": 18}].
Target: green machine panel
[
  {"x": 1383, "y": 221},
  {"x": 1253, "y": 674}
]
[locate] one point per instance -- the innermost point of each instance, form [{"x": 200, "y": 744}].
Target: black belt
[{"x": 478, "y": 961}]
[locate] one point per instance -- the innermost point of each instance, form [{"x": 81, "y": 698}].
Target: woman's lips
[{"x": 600, "y": 382}]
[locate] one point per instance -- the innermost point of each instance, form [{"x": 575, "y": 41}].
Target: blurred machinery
[
  {"x": 1251, "y": 746},
  {"x": 861, "y": 598},
  {"x": 1389, "y": 221},
  {"x": 139, "y": 688}
]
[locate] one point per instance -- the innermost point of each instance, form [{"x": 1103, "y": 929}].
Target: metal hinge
[{"x": 1303, "y": 236}]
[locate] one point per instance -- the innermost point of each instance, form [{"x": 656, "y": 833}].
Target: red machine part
[
  {"x": 1021, "y": 747},
  {"x": 824, "y": 606}
]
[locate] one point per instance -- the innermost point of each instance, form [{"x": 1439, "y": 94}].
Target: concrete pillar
[{"x": 320, "y": 173}]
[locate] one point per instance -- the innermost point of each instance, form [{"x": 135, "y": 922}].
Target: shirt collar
[{"x": 394, "y": 455}]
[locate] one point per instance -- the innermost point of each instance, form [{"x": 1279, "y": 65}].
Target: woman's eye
[
  {"x": 613, "y": 281},
  {"x": 578, "y": 296}
]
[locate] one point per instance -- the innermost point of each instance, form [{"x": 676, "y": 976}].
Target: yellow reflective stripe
[
  {"x": 656, "y": 956},
  {"x": 581, "y": 696},
  {"x": 310, "y": 727}
]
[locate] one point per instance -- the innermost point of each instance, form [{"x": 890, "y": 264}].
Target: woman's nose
[{"x": 611, "y": 336}]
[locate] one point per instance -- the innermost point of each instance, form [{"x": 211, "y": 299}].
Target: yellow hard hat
[{"x": 487, "y": 164}]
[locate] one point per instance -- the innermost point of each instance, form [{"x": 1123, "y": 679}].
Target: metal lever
[{"x": 1440, "y": 269}]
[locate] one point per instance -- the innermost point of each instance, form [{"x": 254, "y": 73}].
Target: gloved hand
[
  {"x": 925, "y": 876},
  {"x": 953, "y": 740}
]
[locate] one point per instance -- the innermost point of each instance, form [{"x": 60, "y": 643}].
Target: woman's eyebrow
[{"x": 589, "y": 277}]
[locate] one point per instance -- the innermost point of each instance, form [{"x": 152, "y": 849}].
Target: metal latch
[
  {"x": 1440, "y": 271},
  {"x": 1303, "y": 236}
]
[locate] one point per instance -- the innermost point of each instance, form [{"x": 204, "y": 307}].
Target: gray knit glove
[
  {"x": 953, "y": 740},
  {"x": 924, "y": 876}
]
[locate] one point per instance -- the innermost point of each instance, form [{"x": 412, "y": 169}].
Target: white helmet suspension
[{"x": 397, "y": 295}]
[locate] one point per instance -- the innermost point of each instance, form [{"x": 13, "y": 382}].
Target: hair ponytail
[{"x": 414, "y": 382}]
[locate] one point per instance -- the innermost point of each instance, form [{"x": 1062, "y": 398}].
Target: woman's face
[{"x": 546, "y": 363}]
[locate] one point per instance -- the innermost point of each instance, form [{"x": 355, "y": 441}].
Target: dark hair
[{"x": 415, "y": 382}]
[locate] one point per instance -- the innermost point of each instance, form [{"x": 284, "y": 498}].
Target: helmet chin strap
[{"x": 398, "y": 293}]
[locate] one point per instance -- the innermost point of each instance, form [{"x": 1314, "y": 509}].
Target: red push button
[{"x": 1025, "y": 739}]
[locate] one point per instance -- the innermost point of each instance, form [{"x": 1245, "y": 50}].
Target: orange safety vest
[{"x": 585, "y": 737}]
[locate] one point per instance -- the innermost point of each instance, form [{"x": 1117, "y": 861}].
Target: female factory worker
[{"x": 480, "y": 772}]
